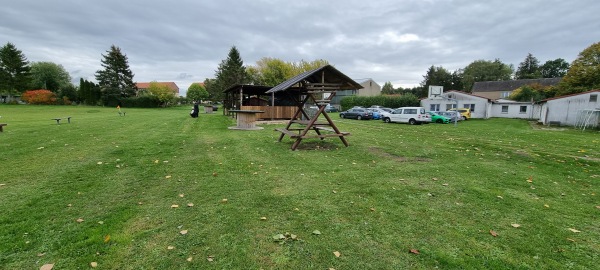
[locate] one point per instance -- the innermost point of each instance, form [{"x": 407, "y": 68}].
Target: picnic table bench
[
  {"x": 58, "y": 119},
  {"x": 2, "y": 127}
]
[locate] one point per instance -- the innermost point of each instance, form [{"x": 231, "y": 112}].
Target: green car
[{"x": 436, "y": 118}]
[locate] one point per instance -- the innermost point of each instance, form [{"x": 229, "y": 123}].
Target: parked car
[
  {"x": 357, "y": 113},
  {"x": 376, "y": 113},
  {"x": 436, "y": 118},
  {"x": 453, "y": 115},
  {"x": 464, "y": 112},
  {"x": 410, "y": 115},
  {"x": 330, "y": 108}
]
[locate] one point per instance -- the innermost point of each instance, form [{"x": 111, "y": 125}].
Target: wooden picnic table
[{"x": 246, "y": 119}]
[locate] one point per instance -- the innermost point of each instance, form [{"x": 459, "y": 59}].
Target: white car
[{"x": 410, "y": 115}]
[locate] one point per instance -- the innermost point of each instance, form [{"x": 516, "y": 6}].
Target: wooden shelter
[
  {"x": 255, "y": 98},
  {"x": 317, "y": 87}
]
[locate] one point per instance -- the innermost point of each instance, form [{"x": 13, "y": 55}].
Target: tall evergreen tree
[
  {"x": 529, "y": 68},
  {"x": 14, "y": 69},
  {"x": 230, "y": 72},
  {"x": 437, "y": 76},
  {"x": 116, "y": 79}
]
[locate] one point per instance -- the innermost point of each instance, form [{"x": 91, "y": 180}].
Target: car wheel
[
  {"x": 439, "y": 121},
  {"x": 341, "y": 115},
  {"x": 464, "y": 118},
  {"x": 387, "y": 120},
  {"x": 359, "y": 117},
  {"x": 412, "y": 122}
]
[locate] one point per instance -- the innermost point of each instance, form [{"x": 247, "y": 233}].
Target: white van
[{"x": 410, "y": 115}]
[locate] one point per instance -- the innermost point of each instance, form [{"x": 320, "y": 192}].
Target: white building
[
  {"x": 564, "y": 110},
  {"x": 504, "y": 108},
  {"x": 480, "y": 106}
]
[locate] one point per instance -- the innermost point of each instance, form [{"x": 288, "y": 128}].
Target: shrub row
[{"x": 406, "y": 100}]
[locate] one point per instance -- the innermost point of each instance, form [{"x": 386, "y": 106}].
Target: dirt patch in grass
[
  {"x": 395, "y": 157},
  {"x": 318, "y": 145}
]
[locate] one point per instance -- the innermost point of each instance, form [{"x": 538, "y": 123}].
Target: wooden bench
[
  {"x": 2, "y": 127},
  {"x": 58, "y": 119}
]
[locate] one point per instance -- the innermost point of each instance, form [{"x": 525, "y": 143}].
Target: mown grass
[{"x": 438, "y": 189}]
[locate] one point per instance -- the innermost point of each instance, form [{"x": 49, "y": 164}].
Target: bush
[
  {"x": 41, "y": 96},
  {"x": 406, "y": 100}
]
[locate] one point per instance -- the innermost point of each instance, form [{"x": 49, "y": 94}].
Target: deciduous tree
[
  {"x": 387, "y": 88},
  {"x": 48, "y": 75},
  {"x": 556, "y": 68},
  {"x": 14, "y": 69},
  {"x": 482, "y": 70},
  {"x": 162, "y": 92},
  {"x": 584, "y": 73},
  {"x": 196, "y": 92}
]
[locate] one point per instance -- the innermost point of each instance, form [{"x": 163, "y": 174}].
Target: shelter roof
[
  {"x": 248, "y": 89},
  {"x": 329, "y": 74},
  {"x": 492, "y": 86}
]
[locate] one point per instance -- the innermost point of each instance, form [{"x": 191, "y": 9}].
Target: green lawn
[{"x": 103, "y": 188}]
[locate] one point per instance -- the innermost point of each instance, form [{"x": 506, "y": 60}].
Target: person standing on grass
[{"x": 194, "y": 112}]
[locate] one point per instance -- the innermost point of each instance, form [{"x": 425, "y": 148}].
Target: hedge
[{"x": 406, "y": 100}]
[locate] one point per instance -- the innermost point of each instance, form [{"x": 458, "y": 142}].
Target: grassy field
[{"x": 487, "y": 194}]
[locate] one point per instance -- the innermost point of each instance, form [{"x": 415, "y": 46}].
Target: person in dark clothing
[{"x": 194, "y": 112}]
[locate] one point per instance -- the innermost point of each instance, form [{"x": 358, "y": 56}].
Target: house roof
[
  {"x": 324, "y": 74},
  {"x": 493, "y": 86},
  {"x": 571, "y": 95},
  {"x": 465, "y": 93},
  {"x": 146, "y": 85}
]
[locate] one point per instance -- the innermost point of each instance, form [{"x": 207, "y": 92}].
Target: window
[
  {"x": 410, "y": 111},
  {"x": 593, "y": 98},
  {"x": 450, "y": 106},
  {"x": 504, "y": 108},
  {"x": 523, "y": 109},
  {"x": 470, "y": 106},
  {"x": 434, "y": 107},
  {"x": 505, "y": 94}
]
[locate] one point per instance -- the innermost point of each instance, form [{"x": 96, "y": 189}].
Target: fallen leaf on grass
[
  {"x": 434, "y": 179},
  {"x": 224, "y": 200},
  {"x": 140, "y": 203},
  {"x": 500, "y": 197},
  {"x": 316, "y": 232},
  {"x": 79, "y": 220},
  {"x": 170, "y": 247},
  {"x": 1, "y": 185},
  {"x": 598, "y": 206},
  {"x": 106, "y": 238},
  {"x": 183, "y": 232},
  {"x": 570, "y": 239},
  {"x": 372, "y": 209},
  {"x": 337, "y": 254},
  {"x": 547, "y": 206},
  {"x": 99, "y": 163},
  {"x": 181, "y": 195},
  {"x": 69, "y": 205},
  {"x": 156, "y": 161},
  {"x": 168, "y": 176},
  {"x": 574, "y": 230},
  {"x": 189, "y": 259},
  {"x": 493, "y": 233},
  {"x": 515, "y": 225},
  {"x": 214, "y": 174},
  {"x": 174, "y": 206},
  {"x": 210, "y": 258},
  {"x": 263, "y": 218},
  {"x": 414, "y": 251},
  {"x": 530, "y": 179},
  {"x": 48, "y": 266},
  {"x": 94, "y": 264},
  {"x": 333, "y": 191},
  {"x": 100, "y": 222},
  {"x": 41, "y": 254},
  {"x": 190, "y": 204}
]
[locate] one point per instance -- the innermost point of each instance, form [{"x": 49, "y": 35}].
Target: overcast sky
[{"x": 386, "y": 40}]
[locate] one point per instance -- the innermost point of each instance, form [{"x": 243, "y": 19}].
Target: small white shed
[{"x": 564, "y": 110}]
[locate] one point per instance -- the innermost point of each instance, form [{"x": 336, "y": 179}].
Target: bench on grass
[
  {"x": 2, "y": 127},
  {"x": 58, "y": 119}
]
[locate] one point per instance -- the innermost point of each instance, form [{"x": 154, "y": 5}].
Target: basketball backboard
[{"x": 435, "y": 91}]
